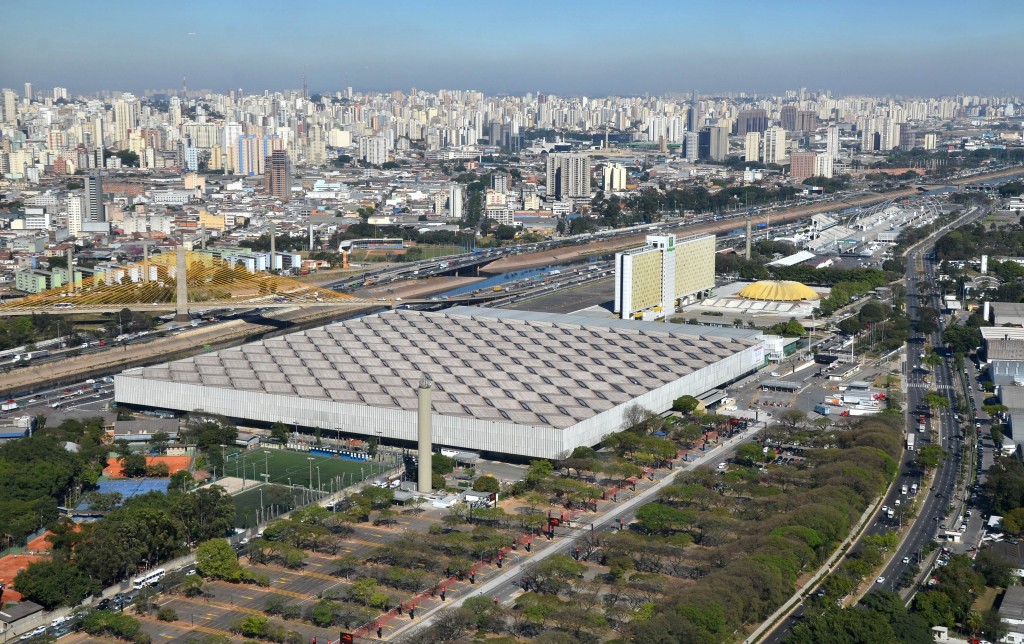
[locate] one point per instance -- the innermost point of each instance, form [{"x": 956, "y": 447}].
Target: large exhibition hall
[{"x": 513, "y": 383}]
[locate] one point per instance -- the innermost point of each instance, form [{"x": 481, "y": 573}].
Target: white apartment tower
[
  {"x": 773, "y": 146},
  {"x": 455, "y": 201},
  {"x": 614, "y": 177},
  {"x": 752, "y": 146}
]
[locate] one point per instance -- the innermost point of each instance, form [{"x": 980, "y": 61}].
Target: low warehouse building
[{"x": 506, "y": 382}]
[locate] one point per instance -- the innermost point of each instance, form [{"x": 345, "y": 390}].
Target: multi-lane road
[{"x": 934, "y": 501}]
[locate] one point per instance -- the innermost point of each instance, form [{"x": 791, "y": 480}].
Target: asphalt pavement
[{"x": 935, "y": 501}]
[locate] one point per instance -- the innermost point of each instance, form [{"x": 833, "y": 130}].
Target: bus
[{"x": 148, "y": 579}]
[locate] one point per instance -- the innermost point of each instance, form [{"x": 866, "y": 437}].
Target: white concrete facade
[{"x": 587, "y": 411}]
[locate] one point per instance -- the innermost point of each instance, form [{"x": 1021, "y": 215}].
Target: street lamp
[
  {"x": 310, "y": 459},
  {"x": 318, "y": 486}
]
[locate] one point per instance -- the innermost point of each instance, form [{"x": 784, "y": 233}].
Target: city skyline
[{"x": 596, "y": 48}]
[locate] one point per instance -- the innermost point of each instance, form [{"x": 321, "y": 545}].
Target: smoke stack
[
  {"x": 181, "y": 287},
  {"x": 202, "y": 237},
  {"x": 145, "y": 261},
  {"x": 272, "y": 242},
  {"x": 426, "y": 447},
  {"x": 311, "y": 238},
  {"x": 71, "y": 269},
  {"x": 749, "y": 235}
]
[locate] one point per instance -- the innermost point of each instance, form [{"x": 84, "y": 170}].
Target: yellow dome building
[{"x": 778, "y": 291}]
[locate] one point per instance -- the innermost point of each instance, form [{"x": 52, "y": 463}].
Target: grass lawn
[
  {"x": 296, "y": 468},
  {"x": 288, "y": 468},
  {"x": 276, "y": 499}
]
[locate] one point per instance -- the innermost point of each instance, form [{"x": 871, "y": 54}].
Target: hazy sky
[{"x": 592, "y": 47}]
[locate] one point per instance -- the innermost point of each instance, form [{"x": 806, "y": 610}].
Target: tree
[
  {"x": 486, "y": 484},
  {"x": 934, "y": 399},
  {"x": 159, "y": 442},
  {"x": 379, "y": 497},
  {"x": 685, "y": 404},
  {"x": 133, "y": 465},
  {"x": 53, "y": 583},
  {"x": 205, "y": 514},
  {"x": 1013, "y": 521},
  {"x": 279, "y": 432},
  {"x": 216, "y": 559},
  {"x": 750, "y": 454},
  {"x": 929, "y": 456},
  {"x": 441, "y": 464},
  {"x": 192, "y": 585},
  {"x": 792, "y": 418}
]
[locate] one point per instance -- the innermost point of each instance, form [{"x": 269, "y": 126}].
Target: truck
[
  {"x": 911, "y": 439},
  {"x": 8, "y": 405},
  {"x": 835, "y": 402},
  {"x": 822, "y": 409}
]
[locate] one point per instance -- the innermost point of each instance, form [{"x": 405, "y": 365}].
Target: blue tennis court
[{"x": 128, "y": 488}]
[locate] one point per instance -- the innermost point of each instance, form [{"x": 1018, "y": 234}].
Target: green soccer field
[
  {"x": 298, "y": 468},
  {"x": 276, "y": 500}
]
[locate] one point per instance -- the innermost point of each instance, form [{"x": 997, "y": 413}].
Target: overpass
[{"x": 153, "y": 285}]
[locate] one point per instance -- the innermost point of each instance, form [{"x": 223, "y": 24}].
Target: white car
[
  {"x": 906, "y": 560},
  {"x": 880, "y": 580}
]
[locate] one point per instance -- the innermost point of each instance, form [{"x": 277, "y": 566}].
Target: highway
[{"x": 943, "y": 427}]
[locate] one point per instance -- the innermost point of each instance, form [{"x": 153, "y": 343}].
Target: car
[
  {"x": 880, "y": 580},
  {"x": 906, "y": 560},
  {"x": 885, "y": 508}
]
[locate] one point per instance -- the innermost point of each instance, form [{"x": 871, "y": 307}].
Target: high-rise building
[
  {"x": 806, "y": 121},
  {"x": 752, "y": 147},
  {"x": 787, "y": 117},
  {"x": 455, "y": 201},
  {"x": 9, "y": 106},
  {"x": 28, "y": 92},
  {"x": 692, "y": 146},
  {"x": 773, "y": 145},
  {"x": 713, "y": 143},
  {"x": 278, "y": 177},
  {"x": 94, "y": 199},
  {"x": 75, "y": 211},
  {"x": 125, "y": 118},
  {"x": 499, "y": 182},
  {"x": 568, "y": 175},
  {"x": 614, "y": 177},
  {"x": 693, "y": 114},
  {"x": 908, "y": 138},
  {"x": 832, "y": 141},
  {"x": 802, "y": 165},
  {"x": 930, "y": 141},
  {"x": 751, "y": 121},
  {"x": 654, "y": 279}
]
